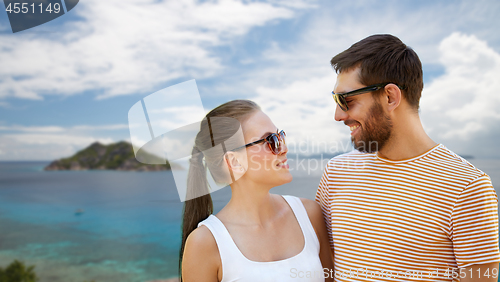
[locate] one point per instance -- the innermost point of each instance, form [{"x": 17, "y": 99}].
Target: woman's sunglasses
[
  {"x": 340, "y": 98},
  {"x": 275, "y": 142}
]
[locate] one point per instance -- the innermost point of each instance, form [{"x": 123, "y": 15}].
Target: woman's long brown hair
[{"x": 199, "y": 208}]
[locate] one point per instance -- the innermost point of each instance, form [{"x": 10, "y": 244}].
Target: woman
[{"x": 257, "y": 236}]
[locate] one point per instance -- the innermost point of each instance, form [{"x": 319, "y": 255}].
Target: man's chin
[
  {"x": 358, "y": 145},
  {"x": 365, "y": 146}
]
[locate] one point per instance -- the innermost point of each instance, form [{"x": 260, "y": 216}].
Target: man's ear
[{"x": 392, "y": 96}]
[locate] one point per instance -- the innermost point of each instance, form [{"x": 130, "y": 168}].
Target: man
[{"x": 401, "y": 207}]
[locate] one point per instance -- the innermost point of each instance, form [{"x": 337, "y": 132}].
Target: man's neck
[{"x": 408, "y": 140}]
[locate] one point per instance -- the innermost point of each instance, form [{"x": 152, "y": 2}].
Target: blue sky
[{"x": 70, "y": 82}]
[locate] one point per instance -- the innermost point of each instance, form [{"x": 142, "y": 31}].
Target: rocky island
[{"x": 116, "y": 156}]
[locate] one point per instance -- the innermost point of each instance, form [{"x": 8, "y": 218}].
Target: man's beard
[{"x": 374, "y": 134}]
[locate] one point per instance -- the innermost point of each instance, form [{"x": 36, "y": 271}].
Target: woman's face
[{"x": 263, "y": 166}]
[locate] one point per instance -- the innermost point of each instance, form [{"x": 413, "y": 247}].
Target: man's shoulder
[
  {"x": 440, "y": 160},
  {"x": 449, "y": 160}
]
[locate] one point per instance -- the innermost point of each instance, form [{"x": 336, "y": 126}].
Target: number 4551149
[
  {"x": 25, "y": 8},
  {"x": 463, "y": 274}
]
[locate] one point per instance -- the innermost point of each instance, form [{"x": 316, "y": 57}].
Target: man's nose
[{"x": 340, "y": 115}]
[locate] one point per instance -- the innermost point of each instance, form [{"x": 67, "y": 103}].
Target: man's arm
[
  {"x": 480, "y": 273},
  {"x": 474, "y": 231},
  {"x": 322, "y": 198}
]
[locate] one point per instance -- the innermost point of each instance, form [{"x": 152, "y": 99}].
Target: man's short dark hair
[{"x": 384, "y": 58}]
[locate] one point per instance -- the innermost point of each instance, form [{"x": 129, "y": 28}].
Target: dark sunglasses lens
[
  {"x": 277, "y": 144},
  {"x": 336, "y": 99},
  {"x": 341, "y": 101},
  {"x": 273, "y": 142}
]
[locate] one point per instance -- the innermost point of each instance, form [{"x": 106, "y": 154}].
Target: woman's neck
[{"x": 251, "y": 204}]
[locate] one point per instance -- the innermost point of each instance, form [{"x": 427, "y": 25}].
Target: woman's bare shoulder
[
  {"x": 202, "y": 240},
  {"x": 201, "y": 260}
]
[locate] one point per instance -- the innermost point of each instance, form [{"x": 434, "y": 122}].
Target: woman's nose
[{"x": 284, "y": 148}]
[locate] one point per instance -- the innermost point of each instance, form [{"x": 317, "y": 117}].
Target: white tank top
[{"x": 305, "y": 266}]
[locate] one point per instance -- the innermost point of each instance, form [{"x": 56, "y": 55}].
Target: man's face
[{"x": 370, "y": 126}]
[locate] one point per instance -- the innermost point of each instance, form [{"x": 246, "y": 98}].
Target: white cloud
[
  {"x": 54, "y": 129},
  {"x": 464, "y": 101},
  {"x": 168, "y": 118},
  {"x": 53, "y": 142},
  {"x": 125, "y": 47},
  {"x": 46, "y": 129},
  {"x": 55, "y": 139},
  {"x": 100, "y": 127},
  {"x": 297, "y": 4},
  {"x": 44, "y": 146}
]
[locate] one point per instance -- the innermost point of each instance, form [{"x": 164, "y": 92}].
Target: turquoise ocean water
[{"x": 129, "y": 229}]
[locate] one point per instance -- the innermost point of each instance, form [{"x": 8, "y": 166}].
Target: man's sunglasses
[
  {"x": 275, "y": 142},
  {"x": 340, "y": 98}
]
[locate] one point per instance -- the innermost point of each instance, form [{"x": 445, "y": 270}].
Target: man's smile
[{"x": 354, "y": 128}]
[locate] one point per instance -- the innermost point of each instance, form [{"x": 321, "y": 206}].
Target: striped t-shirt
[{"x": 415, "y": 219}]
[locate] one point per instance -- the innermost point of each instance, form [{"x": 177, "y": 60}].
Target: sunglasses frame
[
  {"x": 340, "y": 98},
  {"x": 281, "y": 139}
]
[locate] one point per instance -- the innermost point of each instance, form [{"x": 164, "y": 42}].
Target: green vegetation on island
[
  {"x": 116, "y": 156},
  {"x": 18, "y": 272}
]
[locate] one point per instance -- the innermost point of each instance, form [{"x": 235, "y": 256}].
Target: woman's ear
[{"x": 233, "y": 163}]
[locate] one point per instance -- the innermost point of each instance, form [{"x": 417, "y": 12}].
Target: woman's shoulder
[
  {"x": 201, "y": 256},
  {"x": 202, "y": 239},
  {"x": 201, "y": 252}
]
